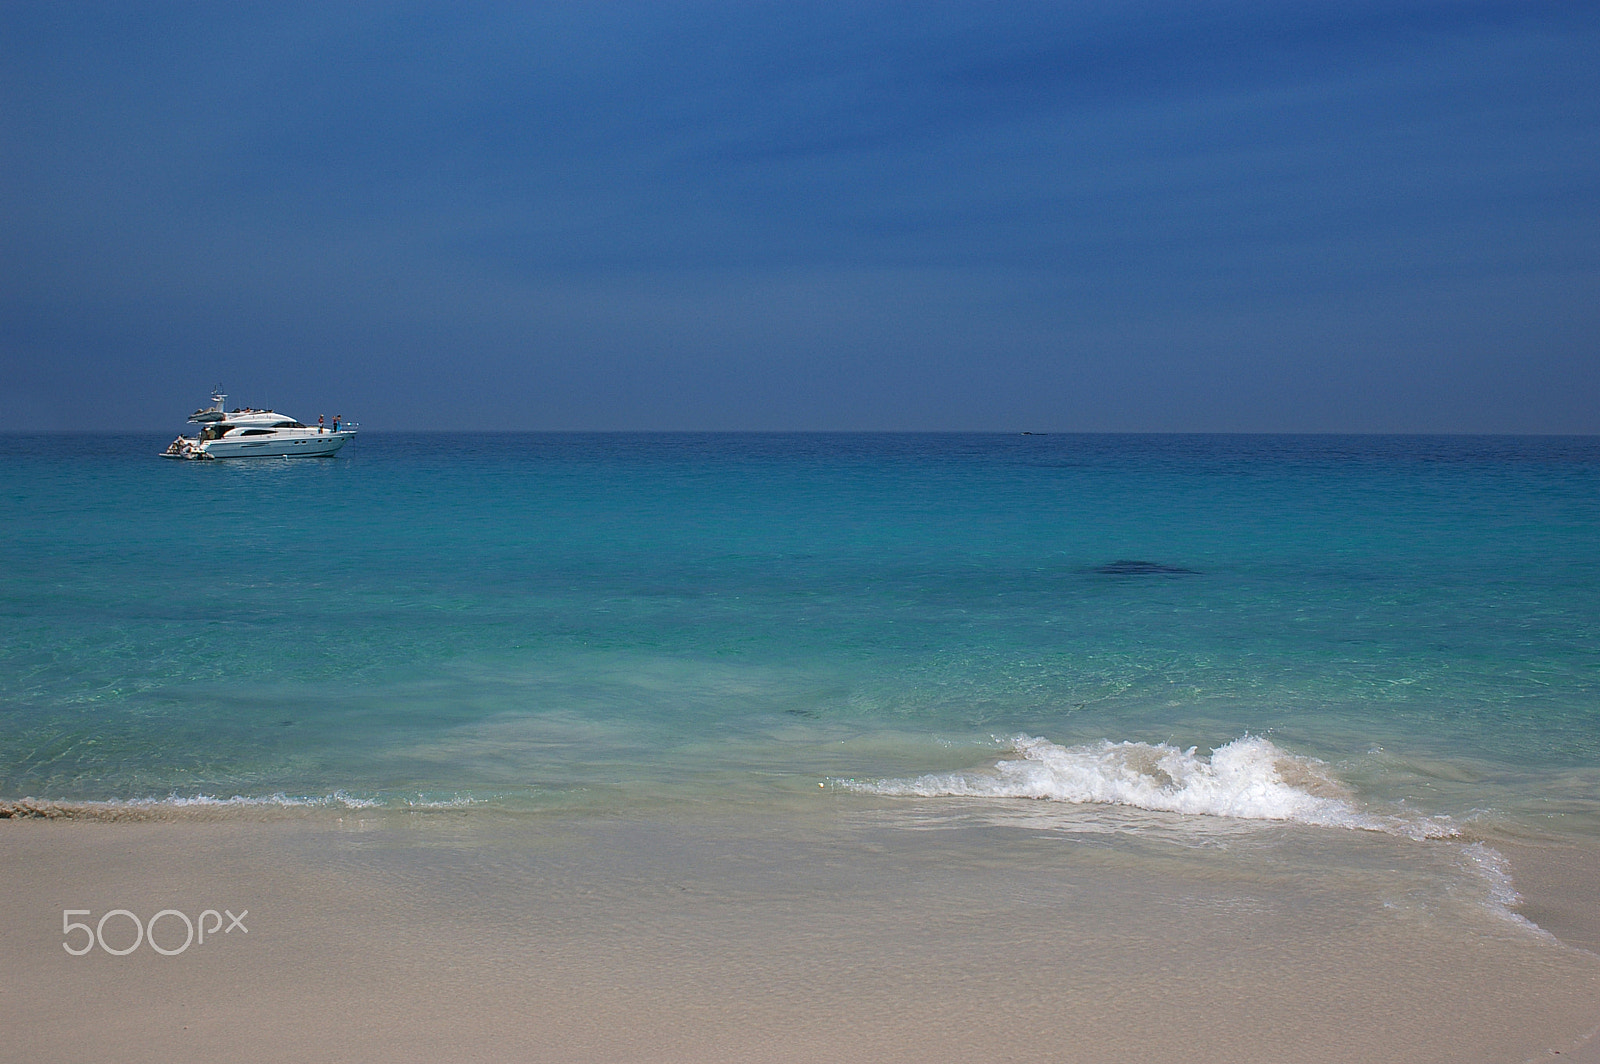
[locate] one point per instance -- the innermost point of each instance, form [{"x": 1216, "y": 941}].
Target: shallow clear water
[{"x": 579, "y": 620}]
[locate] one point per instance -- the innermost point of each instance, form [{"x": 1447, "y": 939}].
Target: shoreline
[{"x": 860, "y": 930}]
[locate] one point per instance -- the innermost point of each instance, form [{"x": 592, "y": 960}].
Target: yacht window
[{"x": 256, "y": 432}]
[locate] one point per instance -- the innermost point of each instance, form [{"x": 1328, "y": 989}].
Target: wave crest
[{"x": 1249, "y": 778}]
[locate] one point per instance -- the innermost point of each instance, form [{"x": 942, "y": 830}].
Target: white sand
[{"x": 774, "y": 936}]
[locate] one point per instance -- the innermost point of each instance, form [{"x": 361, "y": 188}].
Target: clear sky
[{"x": 1125, "y": 216}]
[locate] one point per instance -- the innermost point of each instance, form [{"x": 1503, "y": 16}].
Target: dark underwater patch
[{"x": 1129, "y": 567}]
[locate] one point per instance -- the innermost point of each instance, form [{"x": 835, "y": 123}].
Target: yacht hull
[{"x": 308, "y": 445}]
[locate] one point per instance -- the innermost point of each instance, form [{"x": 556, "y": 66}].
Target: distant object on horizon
[
  {"x": 1129, "y": 567},
  {"x": 245, "y": 432}
]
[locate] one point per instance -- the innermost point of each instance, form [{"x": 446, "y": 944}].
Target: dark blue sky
[{"x": 1056, "y": 216}]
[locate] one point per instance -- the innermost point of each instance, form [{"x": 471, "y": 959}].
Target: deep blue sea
[{"x": 1401, "y": 627}]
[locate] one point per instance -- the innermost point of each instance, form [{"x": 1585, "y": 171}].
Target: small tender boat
[{"x": 245, "y": 432}]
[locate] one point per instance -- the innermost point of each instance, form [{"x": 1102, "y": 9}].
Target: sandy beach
[{"x": 852, "y": 933}]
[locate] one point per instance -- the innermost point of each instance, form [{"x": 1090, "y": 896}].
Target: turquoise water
[{"x": 537, "y": 621}]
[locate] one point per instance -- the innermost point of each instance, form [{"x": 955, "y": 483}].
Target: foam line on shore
[
  {"x": 179, "y": 805},
  {"x": 1490, "y": 867}
]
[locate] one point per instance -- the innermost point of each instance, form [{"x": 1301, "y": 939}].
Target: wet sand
[{"x": 858, "y": 933}]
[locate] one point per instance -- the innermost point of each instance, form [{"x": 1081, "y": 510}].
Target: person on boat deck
[
  {"x": 320, "y": 427},
  {"x": 336, "y": 418}
]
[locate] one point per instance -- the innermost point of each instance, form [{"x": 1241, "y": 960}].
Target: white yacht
[{"x": 244, "y": 432}]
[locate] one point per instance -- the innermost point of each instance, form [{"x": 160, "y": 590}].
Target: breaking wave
[{"x": 1249, "y": 778}]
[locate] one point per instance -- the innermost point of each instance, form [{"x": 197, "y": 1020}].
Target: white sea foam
[
  {"x": 336, "y": 799},
  {"x": 155, "y": 808},
  {"x": 1249, "y": 778},
  {"x": 1491, "y": 867}
]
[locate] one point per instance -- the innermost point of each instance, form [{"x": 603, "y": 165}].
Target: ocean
[
  {"x": 1192, "y": 722},
  {"x": 586, "y": 621}
]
